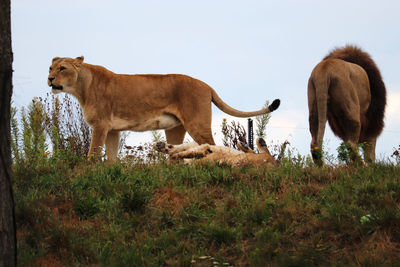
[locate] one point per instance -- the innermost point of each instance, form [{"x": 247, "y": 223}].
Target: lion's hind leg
[
  {"x": 351, "y": 127},
  {"x": 317, "y": 107},
  {"x": 369, "y": 150}
]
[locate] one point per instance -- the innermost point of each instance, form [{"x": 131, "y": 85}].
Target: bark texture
[{"x": 8, "y": 242}]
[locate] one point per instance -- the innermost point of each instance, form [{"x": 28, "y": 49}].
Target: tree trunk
[{"x": 8, "y": 240}]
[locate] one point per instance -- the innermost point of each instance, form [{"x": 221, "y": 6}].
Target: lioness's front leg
[
  {"x": 112, "y": 143},
  {"x": 99, "y": 135}
]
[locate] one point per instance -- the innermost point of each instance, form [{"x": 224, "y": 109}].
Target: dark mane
[{"x": 376, "y": 110}]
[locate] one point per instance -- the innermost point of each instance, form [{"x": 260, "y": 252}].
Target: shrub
[
  {"x": 29, "y": 144},
  {"x": 65, "y": 125},
  {"x": 233, "y": 133},
  {"x": 396, "y": 155},
  {"x": 262, "y": 122}
]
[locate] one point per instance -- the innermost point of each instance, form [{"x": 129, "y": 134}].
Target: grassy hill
[{"x": 71, "y": 212}]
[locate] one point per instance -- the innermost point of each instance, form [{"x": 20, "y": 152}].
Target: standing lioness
[{"x": 114, "y": 102}]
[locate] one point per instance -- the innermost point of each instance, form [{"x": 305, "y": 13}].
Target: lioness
[
  {"x": 205, "y": 153},
  {"x": 347, "y": 89},
  {"x": 114, "y": 102}
]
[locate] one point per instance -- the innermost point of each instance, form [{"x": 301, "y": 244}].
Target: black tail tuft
[{"x": 275, "y": 105}]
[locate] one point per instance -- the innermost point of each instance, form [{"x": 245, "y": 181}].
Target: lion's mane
[{"x": 376, "y": 110}]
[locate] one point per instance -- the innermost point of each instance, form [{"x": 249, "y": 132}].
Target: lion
[
  {"x": 346, "y": 88},
  {"x": 116, "y": 102},
  {"x": 205, "y": 153}
]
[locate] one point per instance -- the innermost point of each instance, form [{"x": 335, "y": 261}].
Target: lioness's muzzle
[{"x": 55, "y": 87}]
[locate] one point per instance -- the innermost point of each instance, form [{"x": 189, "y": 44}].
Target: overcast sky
[{"x": 248, "y": 51}]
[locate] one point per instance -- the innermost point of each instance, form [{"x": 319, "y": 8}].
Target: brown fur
[
  {"x": 376, "y": 109},
  {"x": 347, "y": 89},
  {"x": 223, "y": 155},
  {"x": 114, "y": 102}
]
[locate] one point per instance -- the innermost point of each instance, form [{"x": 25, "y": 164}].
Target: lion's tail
[
  {"x": 376, "y": 110},
  {"x": 237, "y": 113},
  {"x": 318, "y": 101}
]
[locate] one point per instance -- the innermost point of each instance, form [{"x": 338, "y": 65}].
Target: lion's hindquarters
[
  {"x": 376, "y": 108},
  {"x": 338, "y": 92}
]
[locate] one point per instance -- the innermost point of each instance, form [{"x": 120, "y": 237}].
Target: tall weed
[
  {"x": 65, "y": 125},
  {"x": 29, "y": 144}
]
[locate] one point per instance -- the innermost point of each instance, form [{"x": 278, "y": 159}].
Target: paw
[{"x": 163, "y": 147}]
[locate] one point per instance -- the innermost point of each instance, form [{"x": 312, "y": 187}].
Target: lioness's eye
[
  {"x": 62, "y": 68},
  {"x": 50, "y": 68}
]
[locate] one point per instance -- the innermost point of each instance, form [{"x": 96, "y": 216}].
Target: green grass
[{"x": 70, "y": 212}]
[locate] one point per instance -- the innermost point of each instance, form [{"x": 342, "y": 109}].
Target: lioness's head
[{"x": 63, "y": 74}]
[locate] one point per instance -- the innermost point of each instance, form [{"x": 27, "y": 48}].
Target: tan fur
[
  {"x": 115, "y": 102},
  {"x": 340, "y": 92},
  {"x": 206, "y": 153}
]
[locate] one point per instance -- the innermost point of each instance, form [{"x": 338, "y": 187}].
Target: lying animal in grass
[{"x": 205, "y": 153}]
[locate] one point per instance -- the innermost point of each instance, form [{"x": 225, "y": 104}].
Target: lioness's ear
[
  {"x": 56, "y": 58},
  {"x": 80, "y": 59}
]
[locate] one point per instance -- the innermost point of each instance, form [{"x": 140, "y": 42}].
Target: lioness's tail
[
  {"x": 237, "y": 113},
  {"x": 376, "y": 110}
]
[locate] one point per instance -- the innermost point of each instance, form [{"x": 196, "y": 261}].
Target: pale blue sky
[{"x": 248, "y": 51}]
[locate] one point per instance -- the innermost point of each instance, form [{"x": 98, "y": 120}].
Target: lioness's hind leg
[
  {"x": 175, "y": 135},
  {"x": 201, "y": 135},
  {"x": 112, "y": 144},
  {"x": 197, "y": 122}
]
